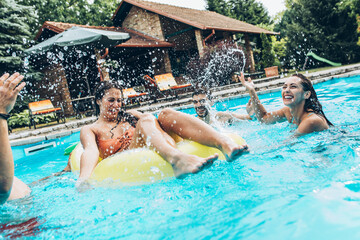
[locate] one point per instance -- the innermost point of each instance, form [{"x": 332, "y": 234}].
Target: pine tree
[
  {"x": 14, "y": 33},
  {"x": 219, "y": 6},
  {"x": 249, "y": 11},
  {"x": 214, "y": 5}
]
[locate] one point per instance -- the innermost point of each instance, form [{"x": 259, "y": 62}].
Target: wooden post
[
  {"x": 199, "y": 42},
  {"x": 167, "y": 63},
  {"x": 250, "y": 54}
]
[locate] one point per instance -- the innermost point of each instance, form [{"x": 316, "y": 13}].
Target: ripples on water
[{"x": 305, "y": 188}]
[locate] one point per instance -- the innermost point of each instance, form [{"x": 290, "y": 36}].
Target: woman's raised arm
[
  {"x": 10, "y": 87},
  {"x": 261, "y": 114}
]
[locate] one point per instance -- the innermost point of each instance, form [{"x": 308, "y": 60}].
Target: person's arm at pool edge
[
  {"x": 6, "y": 163},
  {"x": 261, "y": 114},
  {"x": 90, "y": 156},
  {"x": 8, "y": 93}
]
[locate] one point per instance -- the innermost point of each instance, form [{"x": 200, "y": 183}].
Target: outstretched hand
[
  {"x": 248, "y": 84},
  {"x": 9, "y": 89}
]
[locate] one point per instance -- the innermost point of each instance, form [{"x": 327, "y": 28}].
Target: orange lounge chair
[
  {"x": 131, "y": 95},
  {"x": 166, "y": 82},
  {"x": 44, "y": 107}
]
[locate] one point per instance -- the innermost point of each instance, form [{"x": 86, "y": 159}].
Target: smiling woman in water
[{"x": 302, "y": 106}]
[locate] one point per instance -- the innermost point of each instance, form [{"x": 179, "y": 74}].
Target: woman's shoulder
[
  {"x": 94, "y": 128},
  {"x": 91, "y": 131},
  {"x": 135, "y": 113},
  {"x": 89, "y": 127},
  {"x": 313, "y": 123},
  {"x": 317, "y": 119}
]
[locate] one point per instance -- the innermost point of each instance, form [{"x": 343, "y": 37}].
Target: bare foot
[
  {"x": 232, "y": 151},
  {"x": 184, "y": 164}
]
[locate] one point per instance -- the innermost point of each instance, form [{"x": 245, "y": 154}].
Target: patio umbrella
[{"x": 78, "y": 36}]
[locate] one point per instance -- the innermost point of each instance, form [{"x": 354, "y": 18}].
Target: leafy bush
[
  {"x": 19, "y": 119},
  {"x": 22, "y": 119}
]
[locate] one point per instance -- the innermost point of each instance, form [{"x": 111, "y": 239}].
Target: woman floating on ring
[
  {"x": 117, "y": 130},
  {"x": 302, "y": 106}
]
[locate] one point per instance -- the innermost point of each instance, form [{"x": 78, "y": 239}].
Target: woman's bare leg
[
  {"x": 190, "y": 127},
  {"x": 149, "y": 133}
]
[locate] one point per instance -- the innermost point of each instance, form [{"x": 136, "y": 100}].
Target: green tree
[
  {"x": 279, "y": 47},
  {"x": 14, "y": 38},
  {"x": 84, "y": 12},
  {"x": 358, "y": 29},
  {"x": 219, "y": 6},
  {"x": 267, "y": 53},
  {"x": 14, "y": 34},
  {"x": 326, "y": 27},
  {"x": 249, "y": 11},
  {"x": 354, "y": 7}
]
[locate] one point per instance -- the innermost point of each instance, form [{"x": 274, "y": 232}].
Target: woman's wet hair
[
  {"x": 312, "y": 103},
  {"x": 100, "y": 92}
]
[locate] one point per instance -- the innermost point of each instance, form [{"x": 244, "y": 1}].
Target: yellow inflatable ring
[{"x": 142, "y": 165}]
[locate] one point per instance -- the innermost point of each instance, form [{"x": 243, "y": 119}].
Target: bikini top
[{"x": 111, "y": 146}]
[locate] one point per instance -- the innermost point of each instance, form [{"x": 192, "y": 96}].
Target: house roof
[
  {"x": 202, "y": 19},
  {"x": 137, "y": 39}
]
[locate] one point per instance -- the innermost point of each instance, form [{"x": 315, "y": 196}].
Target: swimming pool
[{"x": 306, "y": 188}]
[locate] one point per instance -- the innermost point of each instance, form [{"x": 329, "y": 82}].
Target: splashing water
[
  {"x": 217, "y": 65},
  {"x": 224, "y": 57},
  {"x": 232, "y": 50}
]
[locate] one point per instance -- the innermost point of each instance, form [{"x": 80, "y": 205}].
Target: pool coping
[{"x": 274, "y": 85}]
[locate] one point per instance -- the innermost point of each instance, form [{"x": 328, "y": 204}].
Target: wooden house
[{"x": 163, "y": 38}]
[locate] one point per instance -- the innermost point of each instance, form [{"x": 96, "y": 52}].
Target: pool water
[{"x": 285, "y": 188}]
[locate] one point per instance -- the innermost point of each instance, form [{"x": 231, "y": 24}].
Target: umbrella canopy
[{"x": 77, "y": 36}]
